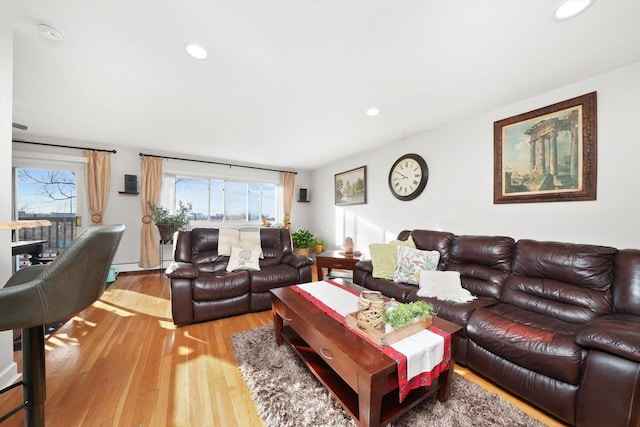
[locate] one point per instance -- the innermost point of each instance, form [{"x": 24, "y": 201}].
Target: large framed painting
[
  {"x": 547, "y": 155},
  {"x": 351, "y": 187}
]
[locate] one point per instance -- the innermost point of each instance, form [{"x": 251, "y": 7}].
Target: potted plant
[
  {"x": 302, "y": 241},
  {"x": 319, "y": 245},
  {"x": 401, "y": 315},
  {"x": 168, "y": 223}
]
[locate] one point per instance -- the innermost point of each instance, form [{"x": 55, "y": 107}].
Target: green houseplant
[
  {"x": 404, "y": 314},
  {"x": 302, "y": 241},
  {"x": 319, "y": 245},
  {"x": 169, "y": 223}
]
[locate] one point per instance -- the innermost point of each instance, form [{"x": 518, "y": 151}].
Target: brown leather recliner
[{"x": 202, "y": 289}]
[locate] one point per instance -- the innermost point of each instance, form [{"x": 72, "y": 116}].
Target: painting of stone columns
[{"x": 548, "y": 154}]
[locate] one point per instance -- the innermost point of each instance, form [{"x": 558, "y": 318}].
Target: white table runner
[{"x": 424, "y": 350}]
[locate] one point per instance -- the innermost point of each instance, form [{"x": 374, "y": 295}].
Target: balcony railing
[{"x": 58, "y": 235}]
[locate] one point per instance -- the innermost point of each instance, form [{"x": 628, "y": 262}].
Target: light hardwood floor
[{"x": 122, "y": 362}]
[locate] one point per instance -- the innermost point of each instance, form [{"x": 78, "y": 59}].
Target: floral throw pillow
[{"x": 411, "y": 262}]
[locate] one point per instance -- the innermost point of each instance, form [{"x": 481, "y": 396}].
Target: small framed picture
[{"x": 351, "y": 187}]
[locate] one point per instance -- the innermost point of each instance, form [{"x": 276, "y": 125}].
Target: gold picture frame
[{"x": 548, "y": 154}]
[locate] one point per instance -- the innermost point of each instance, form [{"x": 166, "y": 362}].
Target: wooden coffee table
[{"x": 362, "y": 378}]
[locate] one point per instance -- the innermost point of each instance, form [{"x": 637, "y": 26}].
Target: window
[
  {"x": 218, "y": 201},
  {"x": 47, "y": 194}
]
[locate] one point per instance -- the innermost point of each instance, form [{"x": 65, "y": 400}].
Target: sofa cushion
[
  {"x": 495, "y": 252},
  {"x": 456, "y": 312},
  {"x": 244, "y": 259},
  {"x": 204, "y": 239},
  {"x": 274, "y": 247},
  {"x": 588, "y": 266},
  {"x": 569, "y": 282},
  {"x": 555, "y": 299},
  {"x": 384, "y": 257},
  {"x": 431, "y": 240},
  {"x": 204, "y": 250},
  {"x": 411, "y": 262},
  {"x": 483, "y": 263},
  {"x": 534, "y": 341},
  {"x": 626, "y": 281},
  {"x": 216, "y": 286},
  {"x": 210, "y": 265},
  {"x": 273, "y": 277},
  {"x": 617, "y": 334}
]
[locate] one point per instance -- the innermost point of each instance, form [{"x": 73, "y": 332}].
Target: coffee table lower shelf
[{"x": 344, "y": 394}]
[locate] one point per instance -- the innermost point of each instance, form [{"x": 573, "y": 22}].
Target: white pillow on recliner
[
  {"x": 244, "y": 259},
  {"x": 443, "y": 285}
]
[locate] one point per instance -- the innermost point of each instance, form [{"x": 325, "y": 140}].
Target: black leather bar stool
[{"x": 42, "y": 294}]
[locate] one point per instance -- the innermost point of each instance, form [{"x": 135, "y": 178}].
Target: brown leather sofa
[
  {"x": 558, "y": 324},
  {"x": 202, "y": 289}
]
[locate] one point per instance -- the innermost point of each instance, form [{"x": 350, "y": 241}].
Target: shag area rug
[{"x": 287, "y": 394}]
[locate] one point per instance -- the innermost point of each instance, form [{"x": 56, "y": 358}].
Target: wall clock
[{"x": 408, "y": 177}]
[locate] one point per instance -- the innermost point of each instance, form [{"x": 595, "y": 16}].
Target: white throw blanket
[
  {"x": 443, "y": 285},
  {"x": 424, "y": 350}
]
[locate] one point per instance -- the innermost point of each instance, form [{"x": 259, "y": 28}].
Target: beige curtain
[
  {"x": 151, "y": 186},
  {"x": 98, "y": 183},
  {"x": 288, "y": 181}
]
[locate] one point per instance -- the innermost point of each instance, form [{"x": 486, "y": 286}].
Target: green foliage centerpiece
[{"x": 405, "y": 314}]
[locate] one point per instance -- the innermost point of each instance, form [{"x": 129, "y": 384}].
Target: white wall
[
  {"x": 459, "y": 194},
  {"x": 8, "y": 368}
]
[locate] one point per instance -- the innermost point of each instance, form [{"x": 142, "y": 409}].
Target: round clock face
[{"x": 408, "y": 177}]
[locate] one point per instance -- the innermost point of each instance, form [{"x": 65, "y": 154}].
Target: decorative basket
[
  {"x": 371, "y": 306},
  {"x": 379, "y": 336}
]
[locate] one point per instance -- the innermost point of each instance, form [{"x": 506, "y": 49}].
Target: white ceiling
[{"x": 287, "y": 83}]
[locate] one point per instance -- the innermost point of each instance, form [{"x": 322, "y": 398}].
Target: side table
[{"x": 335, "y": 259}]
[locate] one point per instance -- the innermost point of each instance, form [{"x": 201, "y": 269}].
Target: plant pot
[
  {"x": 166, "y": 232},
  {"x": 302, "y": 251},
  {"x": 319, "y": 248}
]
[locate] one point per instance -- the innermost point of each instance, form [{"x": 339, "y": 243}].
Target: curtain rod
[
  {"x": 217, "y": 163},
  {"x": 64, "y": 146}
]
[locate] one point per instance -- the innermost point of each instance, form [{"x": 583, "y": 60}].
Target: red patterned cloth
[{"x": 405, "y": 384}]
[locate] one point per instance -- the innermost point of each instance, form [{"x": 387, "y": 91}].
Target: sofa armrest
[
  {"x": 365, "y": 265},
  {"x": 297, "y": 261},
  {"x": 181, "y": 270},
  {"x": 617, "y": 334}
]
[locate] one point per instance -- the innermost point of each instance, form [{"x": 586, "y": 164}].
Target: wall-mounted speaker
[
  {"x": 131, "y": 183},
  {"x": 303, "y": 195}
]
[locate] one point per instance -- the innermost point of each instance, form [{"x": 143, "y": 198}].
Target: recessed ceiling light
[
  {"x": 196, "y": 51},
  {"x": 373, "y": 111},
  {"x": 50, "y": 34},
  {"x": 568, "y": 9}
]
